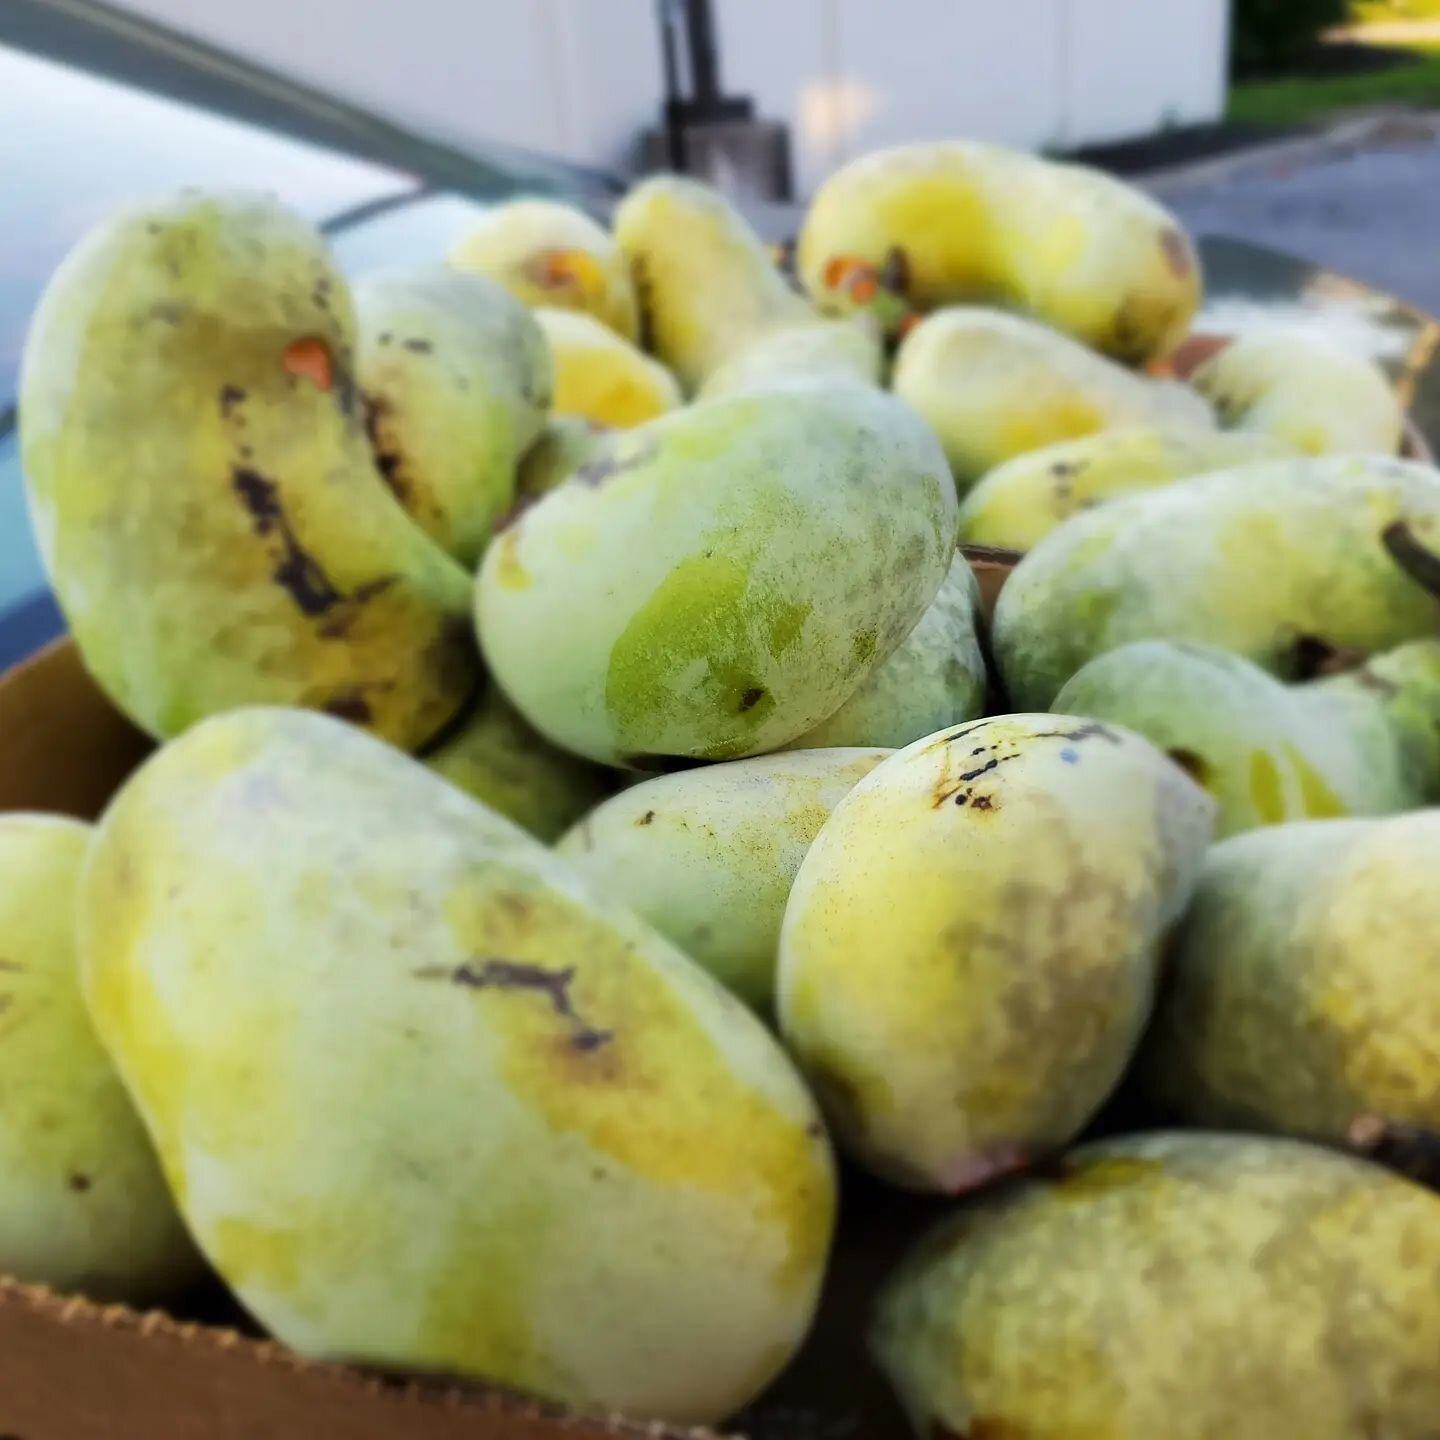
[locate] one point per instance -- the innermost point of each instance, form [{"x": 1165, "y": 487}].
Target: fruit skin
[
  {"x": 1362, "y": 743},
  {"x": 1303, "y": 390},
  {"x": 1301, "y": 991},
  {"x": 1185, "y": 1286},
  {"x": 564, "y": 445},
  {"x": 1267, "y": 561},
  {"x": 920, "y": 226},
  {"x": 457, "y": 380},
  {"x": 1019, "y": 503},
  {"x": 832, "y": 351},
  {"x": 600, "y": 377},
  {"x": 497, "y": 759},
  {"x": 83, "y": 1206},
  {"x": 968, "y": 955},
  {"x": 706, "y": 283},
  {"x": 427, "y": 1100},
  {"x": 553, "y": 255},
  {"x": 716, "y": 582},
  {"x": 935, "y": 679},
  {"x": 707, "y": 856},
  {"x": 993, "y": 386},
  {"x": 201, "y": 487}
]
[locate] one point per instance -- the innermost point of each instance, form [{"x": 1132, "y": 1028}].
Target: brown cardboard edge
[
  {"x": 71, "y": 1369},
  {"x": 63, "y": 746}
]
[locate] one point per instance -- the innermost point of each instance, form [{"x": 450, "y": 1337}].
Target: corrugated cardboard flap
[{"x": 74, "y": 1370}]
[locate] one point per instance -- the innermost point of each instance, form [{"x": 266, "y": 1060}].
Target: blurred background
[{"x": 1300, "y": 139}]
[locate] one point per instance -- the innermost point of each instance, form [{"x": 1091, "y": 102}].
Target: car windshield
[{"x": 107, "y": 144}]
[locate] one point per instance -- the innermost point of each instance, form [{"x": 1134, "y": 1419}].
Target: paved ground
[{"x": 1368, "y": 207}]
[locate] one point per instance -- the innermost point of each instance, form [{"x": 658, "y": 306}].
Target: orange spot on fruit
[{"x": 310, "y": 359}]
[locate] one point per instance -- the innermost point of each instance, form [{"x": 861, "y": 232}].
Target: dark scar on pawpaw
[
  {"x": 647, "y": 818},
  {"x": 1195, "y": 765},
  {"x": 491, "y": 974},
  {"x": 389, "y": 462},
  {"x": 751, "y": 698},
  {"x": 230, "y": 397},
  {"x": 1177, "y": 253},
  {"x": 419, "y": 347},
  {"x": 1417, "y": 560},
  {"x": 297, "y": 571},
  {"x": 895, "y": 271},
  {"x": 350, "y": 706}
]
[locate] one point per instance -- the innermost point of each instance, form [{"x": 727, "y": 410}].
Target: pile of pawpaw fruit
[{"x": 597, "y": 823}]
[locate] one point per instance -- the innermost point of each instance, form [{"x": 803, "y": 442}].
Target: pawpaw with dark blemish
[
  {"x": 1079, "y": 250},
  {"x": 1365, "y": 742},
  {"x": 430, "y": 1100},
  {"x": 980, "y": 976},
  {"x": 453, "y": 409},
  {"x": 203, "y": 492}
]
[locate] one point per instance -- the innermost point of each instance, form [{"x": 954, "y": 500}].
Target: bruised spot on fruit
[
  {"x": 1195, "y": 765},
  {"x": 1409, "y": 1150},
  {"x": 297, "y": 571},
  {"x": 750, "y": 698},
  {"x": 310, "y": 359},
  {"x": 1177, "y": 253},
  {"x": 895, "y": 272},
  {"x": 389, "y": 460},
  {"x": 554, "y": 984},
  {"x": 648, "y": 818},
  {"x": 80, "y": 1183},
  {"x": 349, "y": 705},
  {"x": 984, "y": 803},
  {"x": 230, "y": 397},
  {"x": 567, "y": 271},
  {"x": 419, "y": 347},
  {"x": 1416, "y": 559}
]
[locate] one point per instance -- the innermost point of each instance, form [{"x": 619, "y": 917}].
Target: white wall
[{"x": 581, "y": 78}]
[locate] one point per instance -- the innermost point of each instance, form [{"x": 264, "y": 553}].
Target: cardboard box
[{"x": 73, "y": 1370}]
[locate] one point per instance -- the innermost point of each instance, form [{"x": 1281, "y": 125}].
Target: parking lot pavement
[{"x": 1368, "y": 206}]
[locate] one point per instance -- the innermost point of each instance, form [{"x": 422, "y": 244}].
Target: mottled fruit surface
[
  {"x": 550, "y": 254},
  {"x": 203, "y": 491},
  {"x": 1362, "y": 743},
  {"x": 457, "y": 380},
  {"x": 1302, "y": 992},
  {"x": 602, "y": 378},
  {"x": 994, "y": 386},
  {"x": 707, "y": 856},
  {"x": 1017, "y": 504},
  {"x": 714, "y": 583},
  {"x": 83, "y": 1206},
  {"x": 918, "y": 226},
  {"x": 1304, "y": 390},
  {"x": 1276, "y": 562},
  {"x": 935, "y": 679},
  {"x": 706, "y": 282},
  {"x": 496, "y": 758},
  {"x": 1184, "y": 1286},
  {"x": 427, "y": 1100},
  {"x": 833, "y": 351},
  {"x": 968, "y": 955}
]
